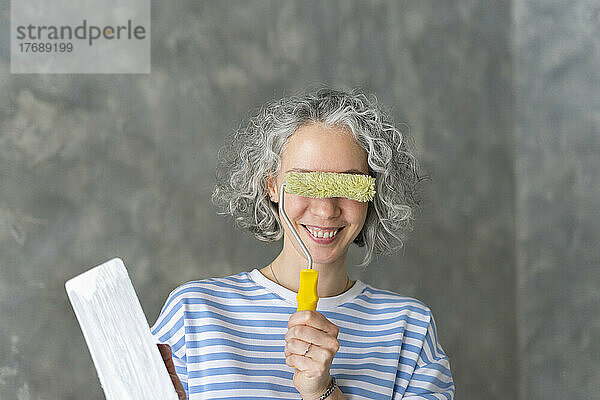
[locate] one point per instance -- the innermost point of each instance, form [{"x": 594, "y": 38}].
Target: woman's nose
[{"x": 325, "y": 208}]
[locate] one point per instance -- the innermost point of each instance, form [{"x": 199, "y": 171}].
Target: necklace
[{"x": 273, "y": 273}]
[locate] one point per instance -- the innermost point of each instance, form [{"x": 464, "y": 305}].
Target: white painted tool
[{"x": 115, "y": 328}]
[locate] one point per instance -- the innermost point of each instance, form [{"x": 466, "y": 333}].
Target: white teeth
[{"x": 321, "y": 234}]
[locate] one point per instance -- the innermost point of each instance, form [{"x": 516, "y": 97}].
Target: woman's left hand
[{"x": 311, "y": 377}]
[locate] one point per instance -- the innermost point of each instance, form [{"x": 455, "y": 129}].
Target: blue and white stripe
[{"x": 227, "y": 336}]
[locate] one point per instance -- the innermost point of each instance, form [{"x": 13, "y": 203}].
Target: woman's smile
[{"x": 322, "y": 235}]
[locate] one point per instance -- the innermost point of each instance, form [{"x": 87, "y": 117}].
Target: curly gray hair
[{"x": 253, "y": 152}]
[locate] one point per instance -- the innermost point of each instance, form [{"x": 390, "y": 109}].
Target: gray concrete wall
[
  {"x": 504, "y": 251},
  {"x": 557, "y": 158}
]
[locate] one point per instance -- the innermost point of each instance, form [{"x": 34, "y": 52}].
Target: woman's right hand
[{"x": 167, "y": 356}]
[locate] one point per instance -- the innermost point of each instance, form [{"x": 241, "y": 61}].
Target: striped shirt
[{"x": 227, "y": 336}]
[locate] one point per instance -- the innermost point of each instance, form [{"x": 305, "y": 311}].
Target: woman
[{"x": 241, "y": 337}]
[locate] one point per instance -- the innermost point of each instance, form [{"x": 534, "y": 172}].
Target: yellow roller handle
[{"x": 307, "y": 293}]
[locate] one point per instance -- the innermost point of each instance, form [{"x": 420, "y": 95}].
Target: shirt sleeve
[
  {"x": 169, "y": 328},
  {"x": 431, "y": 378}
]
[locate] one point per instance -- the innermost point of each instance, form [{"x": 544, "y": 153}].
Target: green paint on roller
[{"x": 331, "y": 184}]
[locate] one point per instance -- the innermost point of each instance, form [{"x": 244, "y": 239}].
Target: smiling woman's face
[{"x": 315, "y": 147}]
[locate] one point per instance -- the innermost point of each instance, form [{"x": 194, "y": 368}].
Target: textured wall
[
  {"x": 95, "y": 166},
  {"x": 557, "y": 75}
]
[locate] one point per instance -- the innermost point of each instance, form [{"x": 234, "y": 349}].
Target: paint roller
[{"x": 319, "y": 184}]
